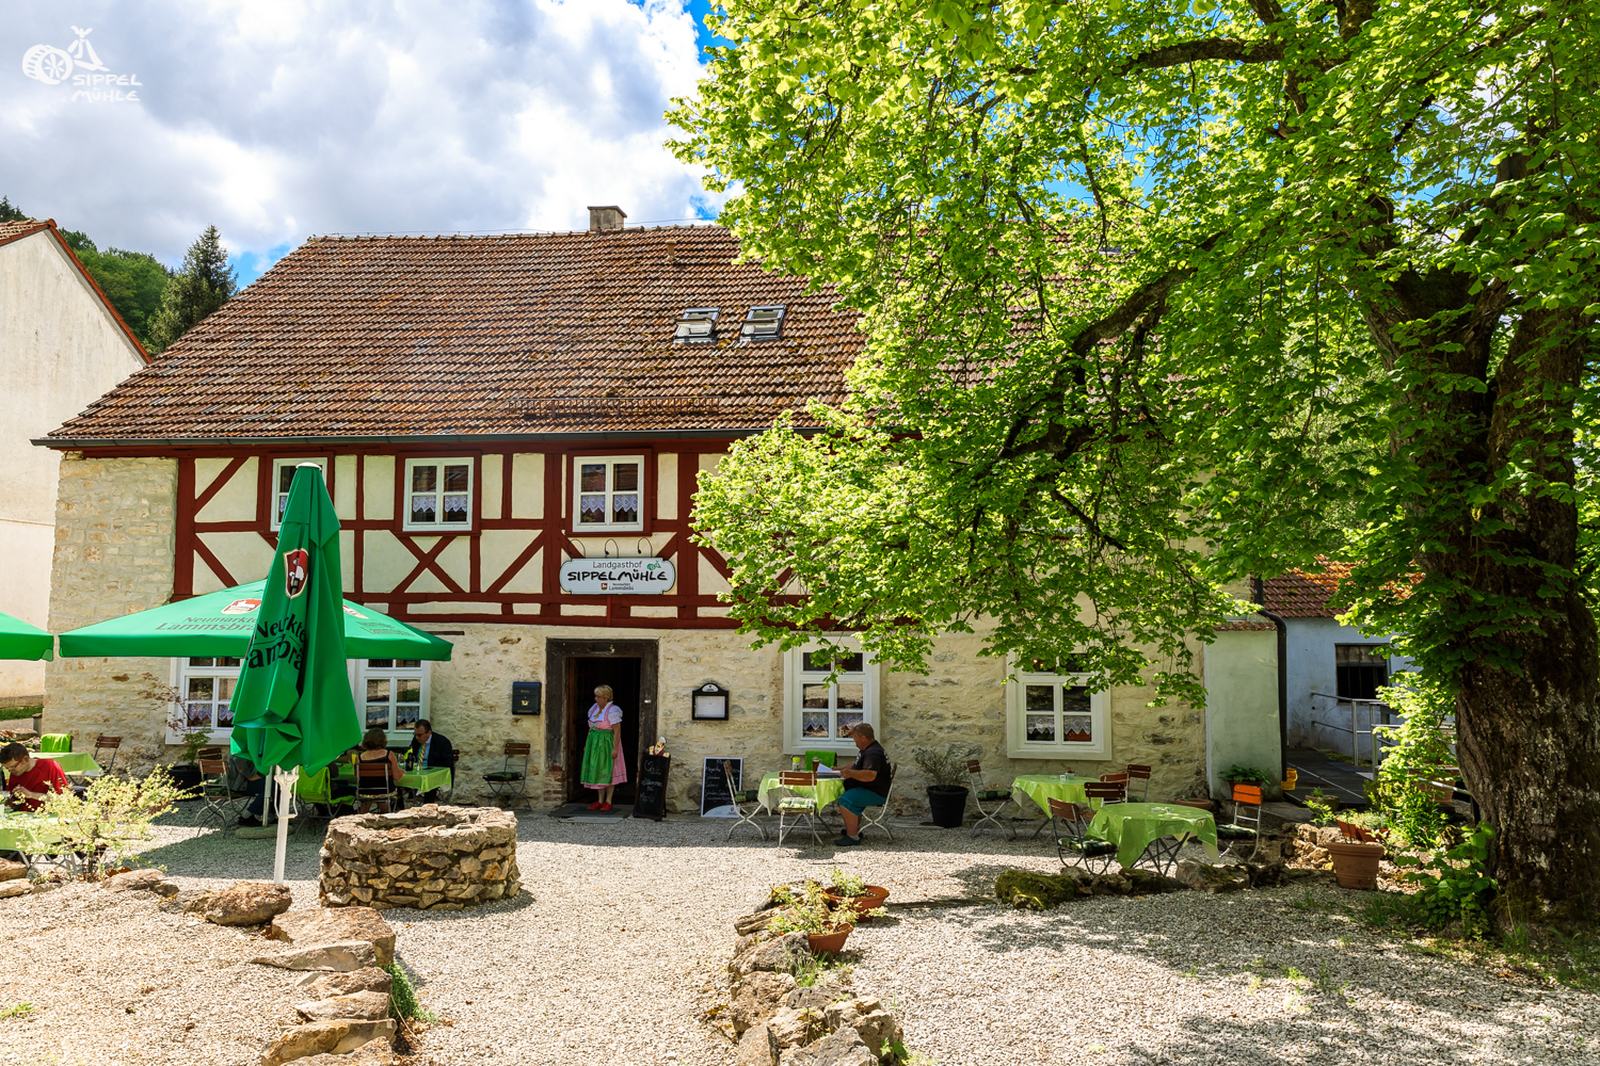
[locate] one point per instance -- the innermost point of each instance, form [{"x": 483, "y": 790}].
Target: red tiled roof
[
  {"x": 1304, "y": 593},
  {"x": 10, "y": 231},
  {"x": 1246, "y": 625},
  {"x": 486, "y": 336}
]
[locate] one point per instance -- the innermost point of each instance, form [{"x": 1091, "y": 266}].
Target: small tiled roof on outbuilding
[
  {"x": 21, "y": 227},
  {"x": 531, "y": 334},
  {"x": 1304, "y": 593}
]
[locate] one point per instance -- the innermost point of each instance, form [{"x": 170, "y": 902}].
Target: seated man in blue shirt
[
  {"x": 429, "y": 749},
  {"x": 868, "y": 782}
]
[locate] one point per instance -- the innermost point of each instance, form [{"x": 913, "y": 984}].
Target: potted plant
[
  {"x": 946, "y": 771},
  {"x": 850, "y": 890},
  {"x": 1357, "y": 854},
  {"x": 1246, "y": 775},
  {"x": 809, "y": 912}
]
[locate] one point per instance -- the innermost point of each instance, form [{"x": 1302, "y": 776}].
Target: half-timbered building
[{"x": 512, "y": 430}]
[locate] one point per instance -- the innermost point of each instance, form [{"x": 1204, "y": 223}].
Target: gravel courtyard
[{"x": 617, "y": 945}]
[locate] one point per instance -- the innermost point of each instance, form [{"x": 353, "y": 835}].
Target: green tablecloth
[
  {"x": 827, "y": 790},
  {"x": 1042, "y": 788},
  {"x": 73, "y": 762},
  {"x": 1132, "y": 827},
  {"x": 16, "y": 827},
  {"x": 418, "y": 780}
]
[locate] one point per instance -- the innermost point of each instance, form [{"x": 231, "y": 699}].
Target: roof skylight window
[
  {"x": 697, "y": 325},
  {"x": 763, "y": 323}
]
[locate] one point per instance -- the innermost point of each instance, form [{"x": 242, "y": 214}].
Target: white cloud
[{"x": 279, "y": 120}]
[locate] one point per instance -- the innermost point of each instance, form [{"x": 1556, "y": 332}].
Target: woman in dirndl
[{"x": 603, "y": 765}]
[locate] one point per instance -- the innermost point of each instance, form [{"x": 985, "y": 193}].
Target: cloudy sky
[{"x": 281, "y": 119}]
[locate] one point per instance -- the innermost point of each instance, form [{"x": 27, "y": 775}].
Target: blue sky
[{"x": 276, "y": 121}]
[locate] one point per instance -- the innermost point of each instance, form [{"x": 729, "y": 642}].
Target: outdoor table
[
  {"x": 73, "y": 762},
  {"x": 16, "y": 827},
  {"x": 1133, "y": 827},
  {"x": 1042, "y": 788},
  {"x": 826, "y": 792},
  {"x": 424, "y": 780}
]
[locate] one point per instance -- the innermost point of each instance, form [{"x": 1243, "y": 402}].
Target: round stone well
[{"x": 431, "y": 857}]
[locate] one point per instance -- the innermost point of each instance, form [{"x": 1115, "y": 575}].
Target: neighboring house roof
[
  {"x": 547, "y": 334},
  {"x": 26, "y": 227},
  {"x": 1304, "y": 593}
]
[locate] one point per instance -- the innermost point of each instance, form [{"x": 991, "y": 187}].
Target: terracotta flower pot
[
  {"x": 871, "y": 898},
  {"x": 1355, "y": 864},
  {"x": 829, "y": 943}
]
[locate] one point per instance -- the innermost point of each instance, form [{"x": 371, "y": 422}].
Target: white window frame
[
  {"x": 611, "y": 462},
  {"x": 278, "y": 497},
  {"x": 1018, "y": 746},
  {"x": 361, "y": 670},
  {"x": 182, "y": 671},
  {"x": 796, "y": 676},
  {"x": 410, "y": 525}
]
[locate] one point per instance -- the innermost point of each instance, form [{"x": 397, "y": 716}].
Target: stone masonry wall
[{"x": 115, "y": 521}]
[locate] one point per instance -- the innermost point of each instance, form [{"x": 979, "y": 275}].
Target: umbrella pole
[{"x": 285, "y": 781}]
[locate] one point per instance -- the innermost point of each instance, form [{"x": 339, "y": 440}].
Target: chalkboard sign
[
  {"x": 651, "y": 798},
  {"x": 714, "y": 784}
]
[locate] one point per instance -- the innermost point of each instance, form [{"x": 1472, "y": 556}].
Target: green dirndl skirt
[{"x": 596, "y": 770}]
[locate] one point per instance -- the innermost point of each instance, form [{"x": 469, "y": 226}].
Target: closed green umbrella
[
  {"x": 220, "y": 623},
  {"x": 19, "y": 640}
]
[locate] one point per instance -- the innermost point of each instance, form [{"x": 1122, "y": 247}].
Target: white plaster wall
[
  {"x": 1309, "y": 667},
  {"x": 1241, "y": 675},
  {"x": 60, "y": 350}
]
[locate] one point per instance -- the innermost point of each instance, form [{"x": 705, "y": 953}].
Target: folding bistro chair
[
  {"x": 449, "y": 793},
  {"x": 1118, "y": 777},
  {"x": 103, "y": 744},
  {"x": 219, "y": 801},
  {"x": 1138, "y": 778},
  {"x": 314, "y": 793},
  {"x": 374, "y": 786},
  {"x": 510, "y": 782},
  {"x": 991, "y": 802},
  {"x": 877, "y": 816},
  {"x": 1106, "y": 791},
  {"x": 1070, "y": 824},
  {"x": 794, "y": 810},
  {"x": 1242, "y": 836},
  {"x": 747, "y": 815}
]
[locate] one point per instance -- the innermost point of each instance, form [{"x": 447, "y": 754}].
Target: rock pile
[
  {"x": 431, "y": 857},
  {"x": 779, "y": 1022}
]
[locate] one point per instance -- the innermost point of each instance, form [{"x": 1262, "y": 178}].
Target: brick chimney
[{"x": 602, "y": 219}]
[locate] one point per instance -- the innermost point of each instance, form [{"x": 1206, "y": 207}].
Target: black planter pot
[
  {"x": 948, "y": 804},
  {"x": 186, "y": 775}
]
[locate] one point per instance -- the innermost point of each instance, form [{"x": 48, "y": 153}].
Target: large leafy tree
[
  {"x": 204, "y": 283},
  {"x": 1163, "y": 294},
  {"x": 134, "y": 282}
]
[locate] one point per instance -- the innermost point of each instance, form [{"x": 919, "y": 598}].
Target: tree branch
[{"x": 1231, "y": 49}]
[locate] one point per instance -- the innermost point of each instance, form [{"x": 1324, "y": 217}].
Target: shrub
[
  {"x": 105, "y": 825},
  {"x": 1322, "y": 807},
  {"x": 1454, "y": 886},
  {"x": 947, "y": 766},
  {"x": 1420, "y": 754}
]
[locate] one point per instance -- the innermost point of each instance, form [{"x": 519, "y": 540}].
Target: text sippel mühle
[{"x": 617, "y": 577}]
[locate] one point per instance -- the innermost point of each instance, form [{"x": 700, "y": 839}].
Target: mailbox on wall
[{"x": 525, "y": 696}]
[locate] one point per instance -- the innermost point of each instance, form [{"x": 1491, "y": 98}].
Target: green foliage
[
  {"x": 1156, "y": 296},
  {"x": 806, "y": 911},
  {"x": 9, "y": 212},
  {"x": 104, "y": 827},
  {"x": 134, "y": 282},
  {"x": 1454, "y": 887},
  {"x": 809, "y": 969},
  {"x": 1246, "y": 775},
  {"x": 1322, "y": 807},
  {"x": 946, "y": 765},
  {"x": 12, "y": 714},
  {"x": 1032, "y": 891},
  {"x": 403, "y": 1003},
  {"x": 846, "y": 884},
  {"x": 204, "y": 283},
  {"x": 1419, "y": 756},
  {"x": 15, "y": 1010}
]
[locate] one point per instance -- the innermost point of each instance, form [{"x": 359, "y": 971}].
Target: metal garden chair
[
  {"x": 220, "y": 802},
  {"x": 877, "y": 816},
  {"x": 510, "y": 782},
  {"x": 1138, "y": 777},
  {"x": 991, "y": 802},
  {"x": 1106, "y": 791},
  {"x": 1069, "y": 823},
  {"x": 795, "y": 810},
  {"x": 748, "y": 815},
  {"x": 375, "y": 787},
  {"x": 1242, "y": 836}
]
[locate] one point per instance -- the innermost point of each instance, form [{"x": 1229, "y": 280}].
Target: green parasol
[
  {"x": 292, "y": 705},
  {"x": 220, "y": 623},
  {"x": 19, "y": 640}
]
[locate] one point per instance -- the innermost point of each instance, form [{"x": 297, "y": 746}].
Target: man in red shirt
[{"x": 30, "y": 780}]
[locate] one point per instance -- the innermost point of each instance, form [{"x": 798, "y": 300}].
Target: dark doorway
[{"x": 574, "y": 669}]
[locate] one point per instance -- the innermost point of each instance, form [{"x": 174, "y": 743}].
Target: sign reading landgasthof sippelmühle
[{"x": 617, "y": 577}]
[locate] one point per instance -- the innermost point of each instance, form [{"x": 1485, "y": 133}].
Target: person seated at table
[
  {"x": 245, "y": 779},
  {"x": 429, "y": 750},
  {"x": 375, "y": 748},
  {"x": 868, "y": 782},
  {"x": 28, "y": 779}
]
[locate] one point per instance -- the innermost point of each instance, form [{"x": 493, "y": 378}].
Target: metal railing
[{"x": 1361, "y": 716}]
